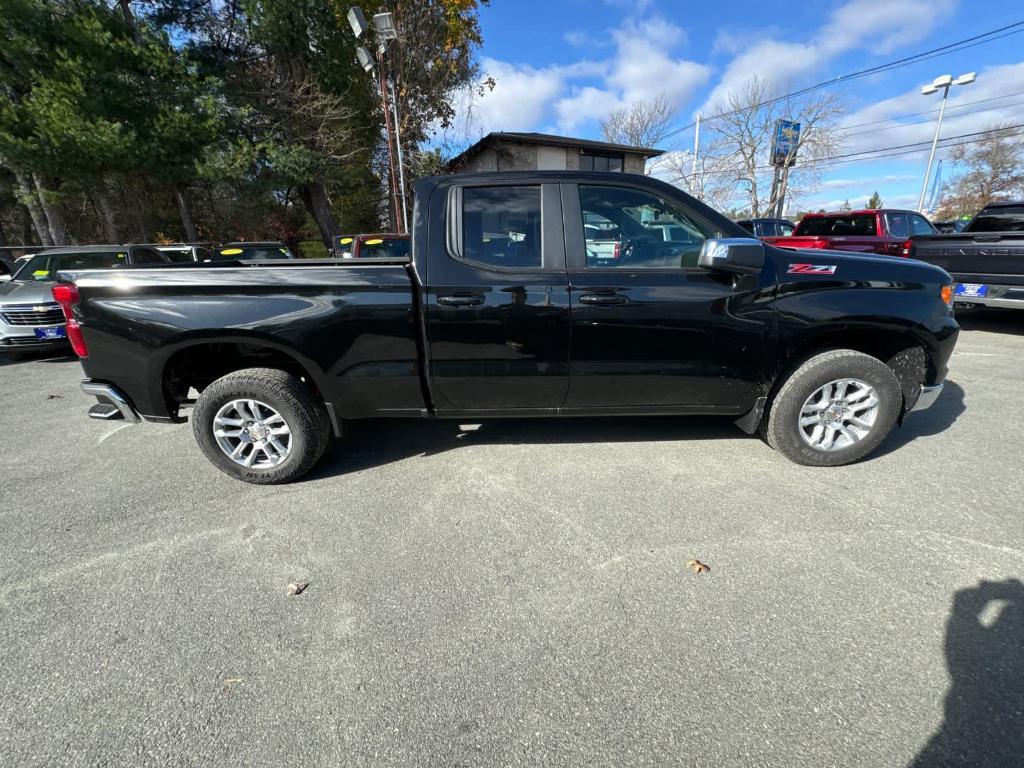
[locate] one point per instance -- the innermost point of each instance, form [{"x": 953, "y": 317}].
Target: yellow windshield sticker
[
  {"x": 283, "y": 250},
  {"x": 375, "y": 241},
  {"x": 230, "y": 251},
  {"x": 41, "y": 273},
  {"x": 345, "y": 240},
  {"x": 122, "y": 255}
]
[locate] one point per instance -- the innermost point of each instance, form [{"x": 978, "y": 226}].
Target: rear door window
[
  {"x": 1005, "y": 218},
  {"x": 898, "y": 226},
  {"x": 501, "y": 226}
]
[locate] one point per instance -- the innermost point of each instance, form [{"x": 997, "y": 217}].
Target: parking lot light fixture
[
  {"x": 357, "y": 20},
  {"x": 941, "y": 83},
  {"x": 384, "y": 23}
]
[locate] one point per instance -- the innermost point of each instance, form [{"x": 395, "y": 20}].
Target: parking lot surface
[{"x": 516, "y": 592}]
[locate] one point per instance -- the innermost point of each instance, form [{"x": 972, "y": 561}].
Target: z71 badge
[{"x": 811, "y": 269}]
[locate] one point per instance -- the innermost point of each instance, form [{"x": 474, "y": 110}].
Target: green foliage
[
  {"x": 875, "y": 201},
  {"x": 242, "y": 110}
]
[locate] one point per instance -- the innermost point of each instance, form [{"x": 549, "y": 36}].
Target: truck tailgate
[{"x": 973, "y": 256}]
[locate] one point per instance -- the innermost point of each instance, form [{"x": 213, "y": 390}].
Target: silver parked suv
[{"x": 30, "y": 319}]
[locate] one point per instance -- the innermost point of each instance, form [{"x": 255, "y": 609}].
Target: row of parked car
[{"x": 984, "y": 254}]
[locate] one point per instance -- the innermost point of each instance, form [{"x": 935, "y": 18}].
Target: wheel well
[
  {"x": 197, "y": 366},
  {"x": 901, "y": 352}
]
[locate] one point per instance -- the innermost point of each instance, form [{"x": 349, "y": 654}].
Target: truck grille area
[{"x": 33, "y": 314}]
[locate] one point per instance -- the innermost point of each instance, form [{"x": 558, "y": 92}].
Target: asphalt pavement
[{"x": 516, "y": 592}]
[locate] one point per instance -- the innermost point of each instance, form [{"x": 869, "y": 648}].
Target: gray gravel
[{"x": 516, "y": 593}]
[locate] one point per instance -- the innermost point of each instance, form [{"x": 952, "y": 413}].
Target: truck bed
[
  {"x": 990, "y": 264},
  {"x": 350, "y": 326}
]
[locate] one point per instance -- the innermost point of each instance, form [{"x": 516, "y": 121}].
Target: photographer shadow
[{"x": 984, "y": 711}]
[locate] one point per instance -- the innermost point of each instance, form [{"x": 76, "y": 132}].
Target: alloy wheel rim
[
  {"x": 252, "y": 434},
  {"x": 838, "y": 415}
]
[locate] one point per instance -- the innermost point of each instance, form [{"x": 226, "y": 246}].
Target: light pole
[
  {"x": 383, "y": 24},
  {"x": 944, "y": 82}
]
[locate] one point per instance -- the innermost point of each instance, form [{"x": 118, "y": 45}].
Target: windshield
[
  {"x": 252, "y": 252},
  {"x": 45, "y": 266},
  {"x": 856, "y": 225},
  {"x": 1005, "y": 218}
]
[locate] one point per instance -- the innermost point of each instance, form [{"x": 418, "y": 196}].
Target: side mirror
[
  {"x": 5, "y": 278},
  {"x": 742, "y": 255}
]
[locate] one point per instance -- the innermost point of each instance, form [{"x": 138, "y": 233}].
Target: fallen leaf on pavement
[
  {"x": 698, "y": 567},
  {"x": 228, "y": 682},
  {"x": 297, "y": 588},
  {"x": 54, "y": 397}
]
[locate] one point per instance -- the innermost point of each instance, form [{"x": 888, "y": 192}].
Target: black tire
[
  {"x": 305, "y": 416},
  {"x": 781, "y": 429}
]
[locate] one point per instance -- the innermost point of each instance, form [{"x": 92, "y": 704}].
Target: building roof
[{"x": 550, "y": 140}]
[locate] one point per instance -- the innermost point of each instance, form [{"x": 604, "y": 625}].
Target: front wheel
[
  {"x": 834, "y": 409},
  {"x": 261, "y": 425}
]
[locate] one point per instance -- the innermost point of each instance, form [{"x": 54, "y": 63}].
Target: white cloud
[
  {"x": 889, "y": 178},
  {"x": 879, "y": 26},
  {"x": 992, "y": 100},
  {"x": 574, "y": 95}
]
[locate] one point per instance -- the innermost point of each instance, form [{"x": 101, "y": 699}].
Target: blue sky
[{"x": 562, "y": 64}]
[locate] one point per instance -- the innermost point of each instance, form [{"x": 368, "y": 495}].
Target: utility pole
[
  {"x": 943, "y": 82},
  {"x": 696, "y": 147}
]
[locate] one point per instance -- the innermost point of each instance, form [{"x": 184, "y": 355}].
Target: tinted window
[
  {"x": 252, "y": 252},
  {"x": 747, "y": 225},
  {"x": 46, "y": 266},
  {"x": 501, "y": 226},
  {"x": 853, "y": 225},
  {"x": 898, "y": 226},
  {"x": 384, "y": 248},
  {"x": 177, "y": 255},
  {"x": 649, "y": 231},
  {"x": 919, "y": 225},
  {"x": 148, "y": 256},
  {"x": 600, "y": 161},
  {"x": 786, "y": 228},
  {"x": 1007, "y": 218},
  {"x": 768, "y": 229}
]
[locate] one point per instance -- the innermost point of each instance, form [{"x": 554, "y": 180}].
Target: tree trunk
[
  {"x": 314, "y": 197},
  {"x": 106, "y": 211},
  {"x": 3, "y": 236},
  {"x": 54, "y": 215},
  {"x": 26, "y": 225},
  {"x": 186, "y": 215},
  {"x": 135, "y": 206},
  {"x": 30, "y": 200}
]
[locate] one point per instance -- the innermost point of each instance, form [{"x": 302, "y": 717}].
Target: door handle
[
  {"x": 602, "y": 299},
  {"x": 471, "y": 300}
]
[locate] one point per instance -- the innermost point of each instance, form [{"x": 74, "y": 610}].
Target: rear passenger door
[{"x": 497, "y": 299}]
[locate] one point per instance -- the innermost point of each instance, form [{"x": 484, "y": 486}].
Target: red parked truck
[{"x": 882, "y": 230}]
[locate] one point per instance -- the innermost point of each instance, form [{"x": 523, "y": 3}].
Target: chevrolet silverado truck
[
  {"x": 503, "y": 311},
  {"x": 986, "y": 259},
  {"x": 885, "y": 231}
]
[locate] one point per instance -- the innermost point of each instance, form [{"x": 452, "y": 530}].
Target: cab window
[
  {"x": 638, "y": 230},
  {"x": 501, "y": 226}
]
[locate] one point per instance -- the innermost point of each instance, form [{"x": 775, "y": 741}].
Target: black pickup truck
[
  {"x": 986, "y": 259},
  {"x": 506, "y": 309}
]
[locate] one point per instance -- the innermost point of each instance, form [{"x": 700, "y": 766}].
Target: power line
[
  {"x": 968, "y": 42},
  {"x": 875, "y": 154},
  {"x": 949, "y": 109},
  {"x": 930, "y": 122}
]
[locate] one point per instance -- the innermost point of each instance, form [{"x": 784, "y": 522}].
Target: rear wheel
[
  {"x": 261, "y": 425},
  {"x": 834, "y": 409}
]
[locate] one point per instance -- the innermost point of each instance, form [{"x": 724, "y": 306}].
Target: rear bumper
[
  {"x": 928, "y": 397},
  {"x": 107, "y": 394},
  {"x": 1007, "y": 296}
]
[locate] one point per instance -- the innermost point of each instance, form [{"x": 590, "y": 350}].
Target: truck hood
[
  {"x": 861, "y": 263},
  {"x": 26, "y": 292}
]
